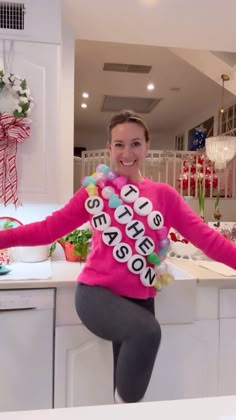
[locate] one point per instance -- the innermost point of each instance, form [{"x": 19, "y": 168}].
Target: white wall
[
  {"x": 200, "y": 117},
  {"x": 28, "y": 213},
  {"x": 227, "y": 209},
  {"x": 42, "y": 23},
  {"x": 66, "y": 88},
  {"x": 92, "y": 139},
  {"x": 162, "y": 140},
  {"x": 96, "y": 139}
]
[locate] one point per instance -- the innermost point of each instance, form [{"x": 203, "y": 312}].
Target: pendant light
[{"x": 222, "y": 148}]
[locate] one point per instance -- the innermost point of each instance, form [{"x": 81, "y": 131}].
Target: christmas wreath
[{"x": 15, "y": 105}]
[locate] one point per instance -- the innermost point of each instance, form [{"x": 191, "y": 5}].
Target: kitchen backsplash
[{"x": 28, "y": 213}]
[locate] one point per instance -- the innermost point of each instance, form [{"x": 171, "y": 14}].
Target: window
[
  {"x": 179, "y": 142},
  {"x": 227, "y": 120},
  {"x": 206, "y": 126}
]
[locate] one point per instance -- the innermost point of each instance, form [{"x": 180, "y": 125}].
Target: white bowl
[
  {"x": 183, "y": 250},
  {"x": 33, "y": 253}
]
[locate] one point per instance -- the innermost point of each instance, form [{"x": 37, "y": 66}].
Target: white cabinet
[
  {"x": 26, "y": 349},
  {"x": 44, "y": 161},
  {"x": 187, "y": 363},
  {"x": 83, "y": 362},
  {"x": 227, "y": 361},
  {"x": 196, "y": 357},
  {"x": 83, "y": 368},
  {"x": 37, "y": 156}
]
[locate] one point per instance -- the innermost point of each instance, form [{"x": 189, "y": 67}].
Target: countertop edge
[{"x": 65, "y": 274}]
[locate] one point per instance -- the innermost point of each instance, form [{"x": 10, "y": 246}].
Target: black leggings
[{"x": 133, "y": 329}]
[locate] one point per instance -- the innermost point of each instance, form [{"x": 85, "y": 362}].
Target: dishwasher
[{"x": 26, "y": 349}]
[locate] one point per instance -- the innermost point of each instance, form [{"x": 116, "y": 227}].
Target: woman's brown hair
[{"x": 127, "y": 116}]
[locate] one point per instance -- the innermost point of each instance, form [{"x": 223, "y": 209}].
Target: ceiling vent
[
  {"x": 127, "y": 68},
  {"x": 136, "y": 104},
  {"x": 12, "y": 15}
]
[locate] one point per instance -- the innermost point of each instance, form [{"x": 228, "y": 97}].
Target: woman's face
[{"x": 128, "y": 149}]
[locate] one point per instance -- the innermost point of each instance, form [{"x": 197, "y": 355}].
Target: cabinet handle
[{"x": 18, "y": 309}]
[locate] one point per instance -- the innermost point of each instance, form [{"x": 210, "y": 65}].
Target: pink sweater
[{"x": 101, "y": 268}]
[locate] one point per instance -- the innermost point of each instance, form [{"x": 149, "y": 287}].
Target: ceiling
[
  {"x": 134, "y": 32},
  {"x": 201, "y": 24},
  {"x": 184, "y": 90}
]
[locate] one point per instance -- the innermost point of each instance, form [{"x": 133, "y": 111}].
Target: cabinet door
[
  {"x": 37, "y": 156},
  {"x": 26, "y": 359},
  {"x": 83, "y": 368},
  {"x": 227, "y": 364},
  {"x": 187, "y": 363}
]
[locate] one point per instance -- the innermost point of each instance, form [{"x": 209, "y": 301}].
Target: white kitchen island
[
  {"x": 197, "y": 354},
  {"x": 221, "y": 408}
]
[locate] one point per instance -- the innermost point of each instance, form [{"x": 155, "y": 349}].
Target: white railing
[{"x": 181, "y": 169}]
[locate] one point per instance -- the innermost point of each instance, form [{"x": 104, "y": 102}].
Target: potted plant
[
  {"x": 8, "y": 255},
  {"x": 75, "y": 245}
]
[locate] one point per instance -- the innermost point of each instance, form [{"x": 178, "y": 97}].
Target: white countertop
[
  {"x": 204, "y": 276},
  {"x": 64, "y": 274},
  {"x": 220, "y": 408}
]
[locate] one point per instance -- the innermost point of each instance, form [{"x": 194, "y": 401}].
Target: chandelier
[{"x": 222, "y": 148}]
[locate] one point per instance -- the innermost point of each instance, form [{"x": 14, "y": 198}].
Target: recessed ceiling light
[
  {"x": 149, "y": 2},
  {"x": 85, "y": 94},
  {"x": 150, "y": 86},
  {"x": 83, "y": 105}
]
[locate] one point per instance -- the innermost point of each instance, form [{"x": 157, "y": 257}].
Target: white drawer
[
  {"x": 176, "y": 303},
  {"x": 207, "y": 303},
  {"x": 228, "y": 303}
]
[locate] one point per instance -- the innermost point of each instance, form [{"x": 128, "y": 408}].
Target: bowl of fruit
[{"x": 181, "y": 247}]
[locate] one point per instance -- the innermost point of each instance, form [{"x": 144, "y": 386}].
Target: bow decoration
[{"x": 13, "y": 130}]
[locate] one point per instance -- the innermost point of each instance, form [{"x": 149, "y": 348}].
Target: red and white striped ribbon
[{"x": 12, "y": 131}]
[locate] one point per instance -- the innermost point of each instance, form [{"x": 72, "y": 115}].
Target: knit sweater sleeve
[
  {"x": 181, "y": 217},
  {"x": 53, "y": 227}
]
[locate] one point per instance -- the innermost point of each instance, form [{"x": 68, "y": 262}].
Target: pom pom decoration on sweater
[{"x": 145, "y": 262}]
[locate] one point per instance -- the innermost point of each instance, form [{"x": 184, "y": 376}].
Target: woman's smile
[{"x": 128, "y": 163}]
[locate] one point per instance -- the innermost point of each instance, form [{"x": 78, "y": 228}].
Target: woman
[{"x": 131, "y": 217}]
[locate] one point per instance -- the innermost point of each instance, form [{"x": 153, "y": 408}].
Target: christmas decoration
[
  {"x": 199, "y": 138},
  {"x": 197, "y": 179},
  {"x": 126, "y": 202},
  {"x": 198, "y": 171},
  {"x": 181, "y": 247},
  {"x": 16, "y": 103}
]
